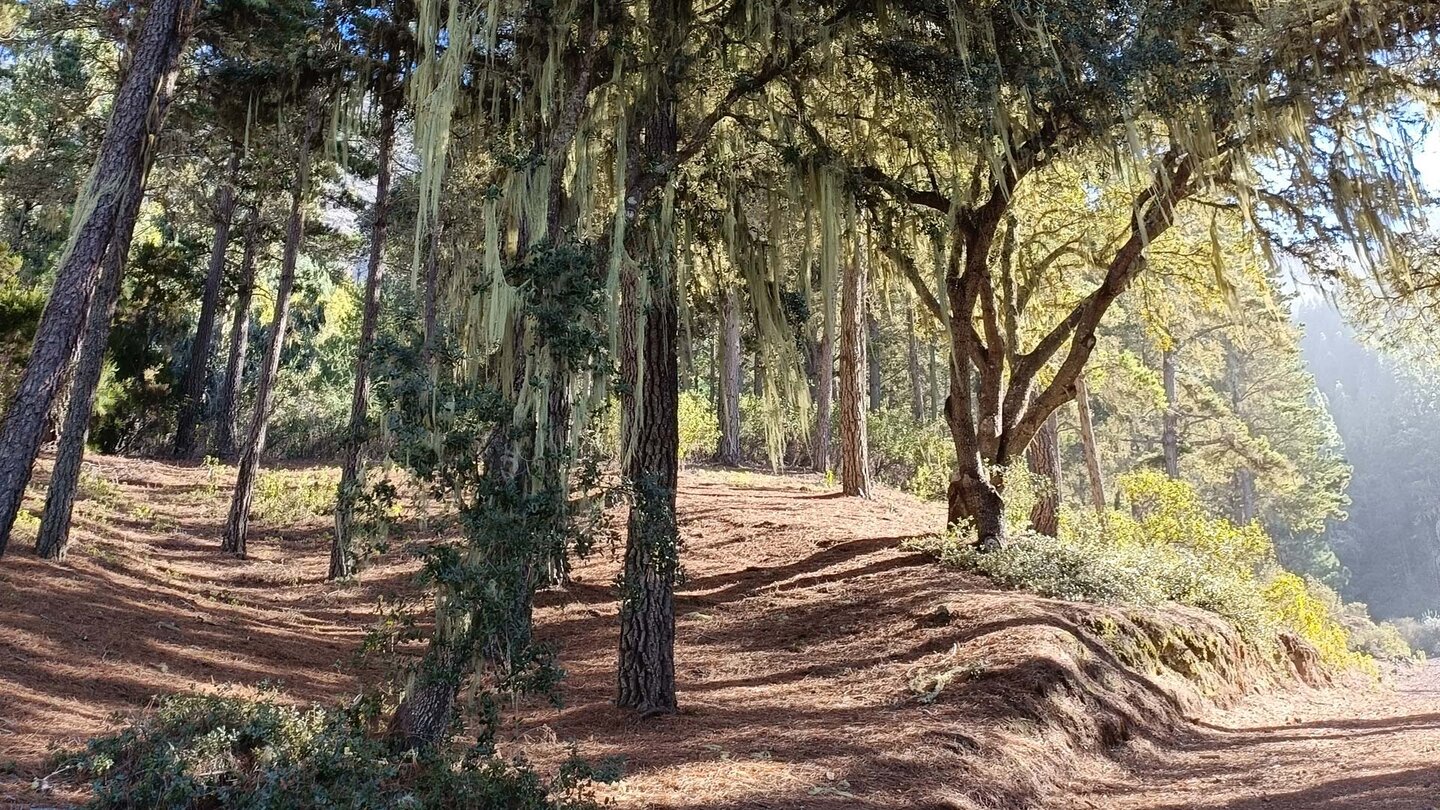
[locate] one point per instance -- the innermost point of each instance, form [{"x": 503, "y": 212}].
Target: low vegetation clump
[
  {"x": 200, "y": 751},
  {"x": 1168, "y": 548}
]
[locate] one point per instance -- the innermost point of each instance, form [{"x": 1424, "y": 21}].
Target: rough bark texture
[
  {"x": 116, "y": 174},
  {"x": 1088, "y": 448},
  {"x": 646, "y": 670},
  {"x": 1042, "y": 458},
  {"x": 239, "y": 519},
  {"x": 728, "y": 453},
  {"x": 227, "y": 407},
  {"x": 854, "y": 441},
  {"x": 197, "y": 372},
  {"x": 359, "y": 429},
  {"x": 53, "y": 539},
  {"x": 1170, "y": 429}
]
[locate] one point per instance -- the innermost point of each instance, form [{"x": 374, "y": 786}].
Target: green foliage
[
  {"x": 285, "y": 497},
  {"x": 194, "y": 752},
  {"x": 913, "y": 456},
  {"x": 1168, "y": 548},
  {"x": 699, "y": 429},
  {"x": 1422, "y": 634}
]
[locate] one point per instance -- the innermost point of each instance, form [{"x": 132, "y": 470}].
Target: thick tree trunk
[
  {"x": 341, "y": 556},
  {"x": 646, "y": 669},
  {"x": 912, "y": 361},
  {"x": 1043, "y": 459},
  {"x": 53, "y": 539},
  {"x": 728, "y": 452},
  {"x": 116, "y": 173},
  {"x": 239, "y": 519},
  {"x": 872, "y": 361},
  {"x": 1088, "y": 447},
  {"x": 227, "y": 410},
  {"x": 854, "y": 440},
  {"x": 197, "y": 373},
  {"x": 1170, "y": 430}
]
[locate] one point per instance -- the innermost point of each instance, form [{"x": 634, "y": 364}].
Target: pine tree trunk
[
  {"x": 1170, "y": 431},
  {"x": 824, "y": 403},
  {"x": 854, "y": 442},
  {"x": 729, "y": 451},
  {"x": 646, "y": 667},
  {"x": 1245, "y": 509},
  {"x": 872, "y": 361},
  {"x": 239, "y": 519},
  {"x": 912, "y": 359},
  {"x": 197, "y": 373},
  {"x": 358, "y": 432},
  {"x": 1088, "y": 447},
  {"x": 116, "y": 173},
  {"x": 1043, "y": 459},
  {"x": 53, "y": 539},
  {"x": 227, "y": 410}
]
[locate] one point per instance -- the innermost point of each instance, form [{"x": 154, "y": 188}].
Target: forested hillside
[{"x": 537, "y": 350}]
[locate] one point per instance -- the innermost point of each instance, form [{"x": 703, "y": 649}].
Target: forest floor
[{"x": 820, "y": 664}]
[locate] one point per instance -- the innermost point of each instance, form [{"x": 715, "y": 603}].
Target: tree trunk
[
  {"x": 197, "y": 373},
  {"x": 912, "y": 361},
  {"x": 757, "y": 382},
  {"x": 116, "y": 173},
  {"x": 341, "y": 555},
  {"x": 824, "y": 401},
  {"x": 729, "y": 450},
  {"x": 53, "y": 539},
  {"x": 646, "y": 666},
  {"x": 1088, "y": 447},
  {"x": 934, "y": 383},
  {"x": 239, "y": 519},
  {"x": 1170, "y": 431},
  {"x": 1043, "y": 459},
  {"x": 854, "y": 442},
  {"x": 1245, "y": 508},
  {"x": 227, "y": 411}
]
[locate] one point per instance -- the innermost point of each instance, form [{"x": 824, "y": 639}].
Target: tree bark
[
  {"x": 1043, "y": 459},
  {"x": 728, "y": 452},
  {"x": 116, "y": 173},
  {"x": 53, "y": 539},
  {"x": 824, "y": 401},
  {"x": 854, "y": 441},
  {"x": 1088, "y": 447},
  {"x": 197, "y": 373},
  {"x": 912, "y": 361},
  {"x": 646, "y": 668},
  {"x": 1170, "y": 429},
  {"x": 341, "y": 555},
  {"x": 227, "y": 411},
  {"x": 239, "y": 519}
]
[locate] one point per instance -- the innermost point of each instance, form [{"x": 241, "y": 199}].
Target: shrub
[
  {"x": 914, "y": 456},
  {"x": 1168, "y": 548},
  {"x": 1422, "y": 634},
  {"x": 699, "y": 429},
  {"x": 199, "y": 751},
  {"x": 283, "y": 498}
]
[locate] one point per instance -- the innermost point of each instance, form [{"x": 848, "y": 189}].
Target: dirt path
[{"x": 1377, "y": 749}]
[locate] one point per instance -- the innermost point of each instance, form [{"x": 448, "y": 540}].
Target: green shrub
[
  {"x": 200, "y": 751},
  {"x": 699, "y": 429},
  {"x": 1168, "y": 548},
  {"x": 283, "y": 498},
  {"x": 914, "y": 456}
]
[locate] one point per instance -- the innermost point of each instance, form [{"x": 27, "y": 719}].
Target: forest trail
[
  {"x": 1330, "y": 749},
  {"x": 820, "y": 664}
]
